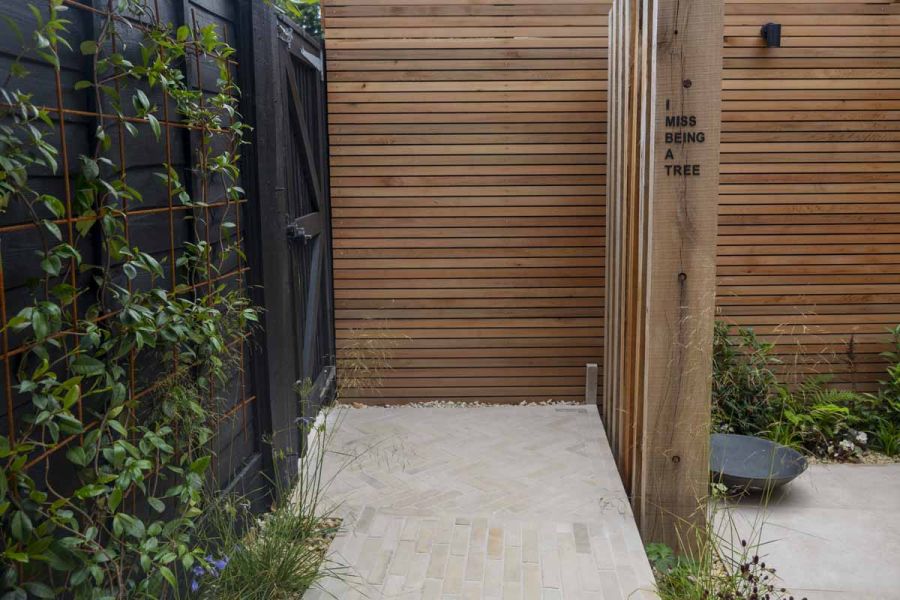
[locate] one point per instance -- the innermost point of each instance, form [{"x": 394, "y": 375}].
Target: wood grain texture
[
  {"x": 468, "y": 161},
  {"x": 468, "y": 144},
  {"x": 666, "y": 62},
  {"x": 808, "y": 211}
]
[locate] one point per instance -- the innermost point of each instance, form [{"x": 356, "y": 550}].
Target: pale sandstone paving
[{"x": 441, "y": 502}]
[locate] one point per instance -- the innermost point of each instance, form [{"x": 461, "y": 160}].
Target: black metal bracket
[{"x": 305, "y": 228}]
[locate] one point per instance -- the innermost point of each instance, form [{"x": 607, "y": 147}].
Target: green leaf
[
  {"x": 54, "y": 204},
  {"x": 39, "y": 590},
  {"x": 88, "y": 47},
  {"x": 87, "y": 366},
  {"x": 83, "y": 84},
  {"x": 20, "y": 526},
  {"x": 90, "y": 168},
  {"x": 200, "y": 465},
  {"x": 154, "y": 125},
  {"x": 156, "y": 504},
  {"x": 39, "y": 323},
  {"x": 167, "y": 574},
  {"x": 115, "y": 499},
  {"x": 78, "y": 456},
  {"x": 140, "y": 100},
  {"x": 53, "y": 228},
  {"x": 52, "y": 265},
  {"x": 183, "y": 33}
]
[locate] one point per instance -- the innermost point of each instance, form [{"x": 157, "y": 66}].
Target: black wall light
[{"x": 771, "y": 32}]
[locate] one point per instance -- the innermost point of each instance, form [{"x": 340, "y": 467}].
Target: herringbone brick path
[{"x": 467, "y": 503}]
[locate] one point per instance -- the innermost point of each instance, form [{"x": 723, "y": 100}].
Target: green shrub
[
  {"x": 744, "y": 385},
  {"x": 811, "y": 416}
]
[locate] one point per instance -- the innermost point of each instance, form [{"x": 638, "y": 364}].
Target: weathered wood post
[
  {"x": 665, "y": 96},
  {"x": 684, "y": 162}
]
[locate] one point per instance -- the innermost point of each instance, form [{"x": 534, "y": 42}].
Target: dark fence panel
[
  {"x": 260, "y": 400},
  {"x": 289, "y": 228}
]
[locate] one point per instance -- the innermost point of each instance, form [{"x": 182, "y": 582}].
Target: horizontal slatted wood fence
[
  {"x": 467, "y": 176},
  {"x": 468, "y": 163},
  {"x": 809, "y": 215}
]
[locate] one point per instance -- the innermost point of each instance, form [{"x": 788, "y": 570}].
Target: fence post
[
  {"x": 275, "y": 367},
  {"x": 665, "y": 113},
  {"x": 683, "y": 169}
]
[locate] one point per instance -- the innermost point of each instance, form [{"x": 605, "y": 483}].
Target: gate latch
[
  {"x": 305, "y": 228},
  {"x": 296, "y": 232}
]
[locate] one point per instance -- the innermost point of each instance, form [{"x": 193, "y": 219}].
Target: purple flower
[{"x": 195, "y": 586}]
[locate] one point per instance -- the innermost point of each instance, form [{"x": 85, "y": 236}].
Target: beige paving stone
[
  {"x": 493, "y": 578},
  {"x": 438, "y": 562},
  {"x": 472, "y": 591},
  {"x": 512, "y": 564},
  {"x": 482, "y": 503},
  {"x": 402, "y": 562},
  {"x": 495, "y": 543},
  {"x": 512, "y": 591},
  {"x": 530, "y": 553},
  {"x": 453, "y": 577},
  {"x": 475, "y": 565},
  {"x": 415, "y": 576},
  {"x": 431, "y": 589},
  {"x": 379, "y": 569},
  {"x": 531, "y": 582},
  {"x": 459, "y": 543}
]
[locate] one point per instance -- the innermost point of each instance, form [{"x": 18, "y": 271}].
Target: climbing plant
[{"x": 102, "y": 472}]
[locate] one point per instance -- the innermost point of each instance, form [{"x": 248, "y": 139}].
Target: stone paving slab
[
  {"x": 502, "y": 503},
  {"x": 833, "y": 534}
]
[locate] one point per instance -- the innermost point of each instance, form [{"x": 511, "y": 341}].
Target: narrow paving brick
[
  {"x": 379, "y": 569},
  {"x": 493, "y": 578},
  {"x": 495, "y": 542},
  {"x": 415, "y": 576},
  {"x": 475, "y": 566},
  {"x": 512, "y": 564},
  {"x": 530, "y": 553},
  {"x": 531, "y": 582},
  {"x": 426, "y": 536},
  {"x": 472, "y": 591},
  {"x": 512, "y": 591},
  {"x": 453, "y": 577},
  {"x": 402, "y": 562},
  {"x": 438, "y": 562},
  {"x": 459, "y": 543},
  {"x": 582, "y": 539}
]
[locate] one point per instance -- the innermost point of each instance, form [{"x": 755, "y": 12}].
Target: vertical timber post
[
  {"x": 683, "y": 177},
  {"x": 267, "y": 218},
  {"x": 590, "y": 384}
]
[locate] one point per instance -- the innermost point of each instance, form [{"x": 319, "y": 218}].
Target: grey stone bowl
[{"x": 751, "y": 463}]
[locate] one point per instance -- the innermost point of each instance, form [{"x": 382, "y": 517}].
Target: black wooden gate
[{"x": 288, "y": 172}]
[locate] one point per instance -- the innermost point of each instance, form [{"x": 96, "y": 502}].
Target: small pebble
[{"x": 458, "y": 404}]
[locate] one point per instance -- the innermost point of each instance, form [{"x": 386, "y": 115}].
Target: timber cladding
[
  {"x": 467, "y": 181},
  {"x": 809, "y": 212},
  {"x": 468, "y": 184}
]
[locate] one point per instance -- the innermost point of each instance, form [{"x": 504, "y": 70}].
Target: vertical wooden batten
[{"x": 666, "y": 58}]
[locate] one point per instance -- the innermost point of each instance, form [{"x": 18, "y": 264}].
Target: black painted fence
[{"x": 284, "y": 220}]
